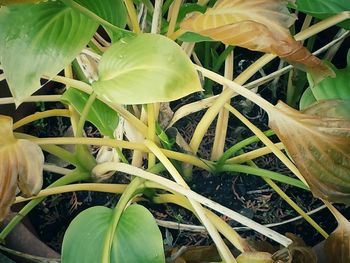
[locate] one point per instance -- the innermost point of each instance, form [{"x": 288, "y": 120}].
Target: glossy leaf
[
  {"x": 21, "y": 166},
  {"x": 103, "y": 117},
  {"x": 324, "y": 8},
  {"x": 39, "y": 39},
  {"x": 113, "y": 11},
  {"x": 319, "y": 145},
  {"x": 137, "y": 237},
  {"x": 145, "y": 69},
  {"x": 329, "y": 88},
  {"x": 260, "y": 25},
  {"x": 337, "y": 245}
]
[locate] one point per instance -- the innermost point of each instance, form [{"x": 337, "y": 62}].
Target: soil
[{"x": 246, "y": 194}]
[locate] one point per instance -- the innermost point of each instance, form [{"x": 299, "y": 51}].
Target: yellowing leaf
[
  {"x": 21, "y": 166},
  {"x": 197, "y": 254},
  {"x": 337, "y": 245},
  {"x": 319, "y": 145},
  {"x": 299, "y": 251},
  {"x": 255, "y": 257},
  {"x": 260, "y": 25},
  {"x": 146, "y": 68}
]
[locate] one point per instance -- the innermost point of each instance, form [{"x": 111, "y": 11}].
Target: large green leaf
[
  {"x": 324, "y": 8},
  {"x": 146, "y": 68},
  {"x": 113, "y": 11},
  {"x": 137, "y": 237},
  {"x": 39, "y": 39},
  {"x": 103, "y": 117}
]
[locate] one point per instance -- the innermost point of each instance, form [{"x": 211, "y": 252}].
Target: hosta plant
[{"x": 121, "y": 64}]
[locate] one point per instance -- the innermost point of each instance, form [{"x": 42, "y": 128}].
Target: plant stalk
[{"x": 106, "y": 167}]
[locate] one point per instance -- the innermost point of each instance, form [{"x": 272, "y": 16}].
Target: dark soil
[{"x": 246, "y": 194}]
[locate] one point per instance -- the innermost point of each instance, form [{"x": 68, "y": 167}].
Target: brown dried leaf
[
  {"x": 8, "y": 181},
  {"x": 21, "y": 165},
  {"x": 337, "y": 245},
  {"x": 260, "y": 25},
  {"x": 299, "y": 251},
  {"x": 199, "y": 254},
  {"x": 30, "y": 162},
  {"x": 320, "y": 147}
]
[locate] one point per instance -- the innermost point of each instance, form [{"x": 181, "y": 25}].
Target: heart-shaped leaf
[
  {"x": 103, "y": 117},
  {"x": 260, "y": 25},
  {"x": 319, "y": 145},
  {"x": 39, "y": 39},
  {"x": 146, "y": 68},
  {"x": 137, "y": 237}
]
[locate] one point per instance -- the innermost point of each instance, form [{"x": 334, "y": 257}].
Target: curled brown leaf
[
  {"x": 337, "y": 245},
  {"x": 299, "y": 251},
  {"x": 320, "y": 147},
  {"x": 260, "y": 25},
  {"x": 21, "y": 166}
]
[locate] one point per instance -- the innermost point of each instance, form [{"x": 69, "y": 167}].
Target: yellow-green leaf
[
  {"x": 145, "y": 68},
  {"x": 260, "y": 25},
  {"x": 255, "y": 257}
]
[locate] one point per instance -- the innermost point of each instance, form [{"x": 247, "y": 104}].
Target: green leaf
[
  {"x": 103, "y": 117},
  {"x": 137, "y": 237},
  {"x": 307, "y": 99},
  {"x": 329, "y": 88},
  {"x": 10, "y": 2},
  {"x": 324, "y": 8},
  {"x": 194, "y": 37},
  {"x": 39, "y": 39},
  {"x": 113, "y": 11},
  {"x": 146, "y": 68}
]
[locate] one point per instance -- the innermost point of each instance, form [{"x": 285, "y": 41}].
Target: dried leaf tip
[
  {"x": 21, "y": 166},
  {"x": 320, "y": 146}
]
